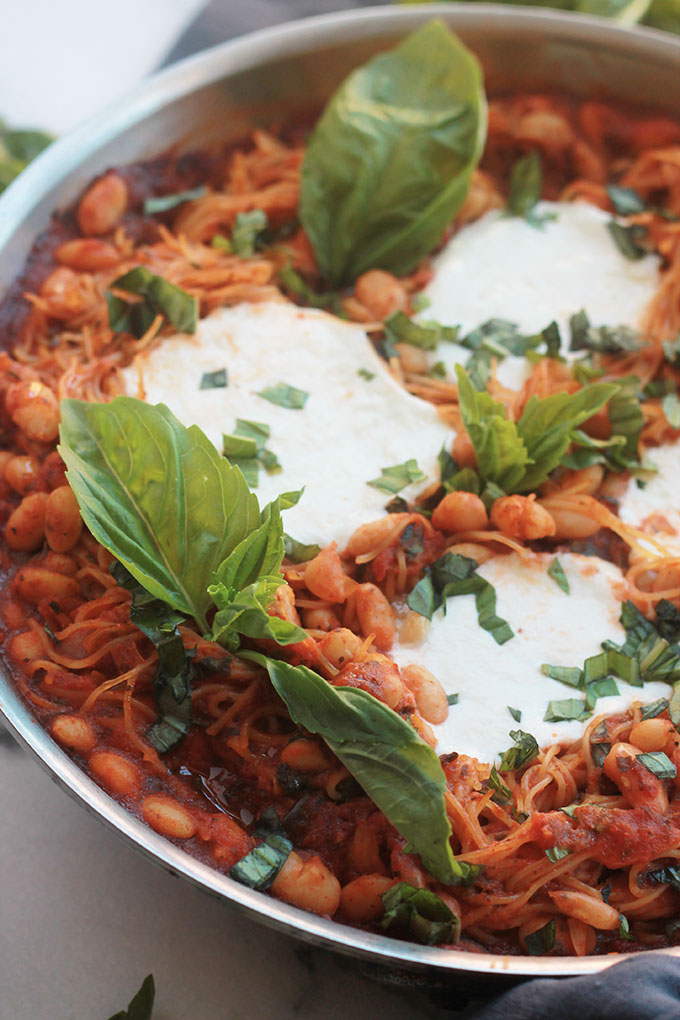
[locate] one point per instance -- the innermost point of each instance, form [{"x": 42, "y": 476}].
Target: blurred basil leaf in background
[
  {"x": 17, "y": 149},
  {"x": 663, "y": 14}
]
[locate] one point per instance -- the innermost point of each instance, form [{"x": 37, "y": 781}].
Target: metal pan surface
[{"x": 272, "y": 76}]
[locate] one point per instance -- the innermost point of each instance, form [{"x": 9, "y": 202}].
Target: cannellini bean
[
  {"x": 325, "y": 577},
  {"x": 425, "y": 731},
  {"x": 653, "y": 734},
  {"x": 463, "y": 452},
  {"x": 379, "y": 676},
  {"x": 307, "y": 884},
  {"x": 522, "y": 517},
  {"x": 116, "y": 773},
  {"x": 34, "y": 408},
  {"x": 589, "y": 909},
  {"x": 304, "y": 756},
  {"x": 639, "y": 786},
  {"x": 63, "y": 523},
  {"x": 368, "y": 536},
  {"x": 582, "y": 935},
  {"x": 75, "y": 732},
  {"x": 60, "y": 563},
  {"x": 361, "y": 900},
  {"x": 380, "y": 293},
  {"x": 53, "y": 471},
  {"x": 568, "y": 523},
  {"x": 64, "y": 292},
  {"x": 102, "y": 206},
  {"x": 168, "y": 817},
  {"x": 229, "y": 842},
  {"x": 320, "y": 619},
  {"x": 33, "y": 584},
  {"x": 412, "y": 359},
  {"x": 26, "y": 647},
  {"x": 429, "y": 694},
  {"x": 340, "y": 646},
  {"x": 412, "y": 627},
  {"x": 375, "y": 615},
  {"x": 364, "y": 850},
  {"x": 546, "y": 129},
  {"x": 87, "y": 254},
  {"x": 25, "y": 528},
  {"x": 460, "y": 511},
  {"x": 23, "y": 474}
]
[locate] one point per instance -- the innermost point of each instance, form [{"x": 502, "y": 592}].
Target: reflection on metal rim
[{"x": 567, "y": 53}]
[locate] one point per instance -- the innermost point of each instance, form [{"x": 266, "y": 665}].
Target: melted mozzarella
[
  {"x": 502, "y": 267},
  {"x": 550, "y": 627},
  {"x": 348, "y": 430},
  {"x": 655, "y": 507}
]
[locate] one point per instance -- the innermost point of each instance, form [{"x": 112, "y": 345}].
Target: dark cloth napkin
[{"x": 642, "y": 988}]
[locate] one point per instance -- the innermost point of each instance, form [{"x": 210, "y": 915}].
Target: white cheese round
[{"x": 655, "y": 507}]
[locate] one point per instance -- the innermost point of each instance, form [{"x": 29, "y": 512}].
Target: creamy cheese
[
  {"x": 503, "y": 267},
  {"x": 550, "y": 627},
  {"x": 349, "y": 429},
  {"x": 655, "y": 507}
]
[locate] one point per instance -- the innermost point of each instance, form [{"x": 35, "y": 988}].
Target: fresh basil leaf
[
  {"x": 394, "y": 479},
  {"x": 572, "y": 676},
  {"x": 298, "y": 552},
  {"x": 285, "y": 396},
  {"x": 659, "y": 764},
  {"x": 557, "y": 853},
  {"x": 556, "y": 572},
  {"x": 261, "y": 865},
  {"x": 159, "y": 297},
  {"x": 524, "y": 751},
  {"x": 163, "y": 203},
  {"x": 604, "y": 688},
  {"x": 654, "y": 709},
  {"x": 568, "y": 709},
  {"x": 426, "y": 335},
  {"x": 216, "y": 380},
  {"x": 502, "y": 793},
  {"x": 670, "y": 405},
  {"x": 541, "y": 941},
  {"x": 389, "y": 163},
  {"x": 627, "y": 239},
  {"x": 626, "y": 201},
  {"x": 246, "y": 232},
  {"x": 157, "y": 495},
  {"x": 420, "y": 913},
  {"x": 422, "y": 599},
  {"x": 17, "y": 149},
  {"x": 141, "y": 1006},
  {"x": 453, "y": 575},
  {"x": 501, "y": 454},
  {"x": 398, "y": 770},
  {"x": 526, "y": 183},
  {"x": 515, "y": 713}
]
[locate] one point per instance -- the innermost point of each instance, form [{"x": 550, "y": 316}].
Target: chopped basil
[
  {"x": 659, "y": 764},
  {"x": 452, "y": 699},
  {"x": 572, "y": 676},
  {"x": 17, "y": 148},
  {"x": 397, "y": 505},
  {"x": 245, "y": 448},
  {"x": 438, "y": 370},
  {"x": 560, "y": 711},
  {"x": 259, "y": 868},
  {"x": 216, "y": 380},
  {"x": 162, "y": 203},
  {"x": 668, "y": 620},
  {"x": 502, "y": 793},
  {"x": 421, "y": 914},
  {"x": 365, "y": 374},
  {"x": 393, "y": 479},
  {"x": 159, "y": 297},
  {"x": 298, "y": 552},
  {"x": 671, "y": 351},
  {"x": 524, "y": 751},
  {"x": 601, "y": 339},
  {"x": 515, "y": 713},
  {"x": 669, "y": 875},
  {"x": 599, "y": 751},
  {"x": 298, "y": 287},
  {"x": 246, "y": 232},
  {"x": 222, "y": 243},
  {"x": 569, "y": 810},
  {"x": 526, "y": 182},
  {"x": 624, "y": 929},
  {"x": 626, "y": 201},
  {"x": 140, "y": 1006},
  {"x": 654, "y": 709},
  {"x": 627, "y": 239},
  {"x": 604, "y": 688},
  {"x": 670, "y": 406},
  {"x": 541, "y": 941},
  {"x": 426, "y": 335},
  {"x": 557, "y": 853},
  {"x": 420, "y": 301},
  {"x": 556, "y": 571},
  {"x": 285, "y": 396}
]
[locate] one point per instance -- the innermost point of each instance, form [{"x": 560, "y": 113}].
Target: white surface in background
[{"x": 62, "y": 60}]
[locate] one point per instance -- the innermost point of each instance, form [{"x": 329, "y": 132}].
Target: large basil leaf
[
  {"x": 501, "y": 454},
  {"x": 398, "y": 770},
  {"x": 389, "y": 162},
  {"x": 157, "y": 495}
]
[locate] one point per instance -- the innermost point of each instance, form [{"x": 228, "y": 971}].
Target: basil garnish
[
  {"x": 626, "y": 201},
  {"x": 388, "y": 164},
  {"x": 668, "y": 875},
  {"x": 556, "y": 571},
  {"x": 393, "y": 479},
  {"x": 572, "y": 676},
  {"x": 245, "y": 448},
  {"x": 624, "y": 929},
  {"x": 541, "y": 941},
  {"x": 17, "y": 149},
  {"x": 654, "y": 709},
  {"x": 365, "y": 374},
  {"x": 400, "y": 772},
  {"x": 140, "y": 1006},
  {"x": 659, "y": 764},
  {"x": 515, "y": 713},
  {"x": 216, "y": 380},
  {"x": 298, "y": 552},
  {"x": 627, "y": 239},
  {"x": 421, "y": 913},
  {"x": 562, "y": 711},
  {"x": 502, "y": 793},
  {"x": 259, "y": 868},
  {"x": 163, "y": 203},
  {"x": 524, "y": 751},
  {"x": 159, "y": 297},
  {"x": 246, "y": 232},
  {"x": 285, "y": 396},
  {"x": 557, "y": 853},
  {"x": 526, "y": 183},
  {"x": 426, "y": 335}
]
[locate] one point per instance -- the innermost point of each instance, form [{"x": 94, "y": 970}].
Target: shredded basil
[
  {"x": 557, "y": 853},
  {"x": 526, "y": 183},
  {"x": 569, "y": 810},
  {"x": 393, "y": 479},
  {"x": 365, "y": 374},
  {"x": 624, "y": 929},
  {"x": 654, "y": 709},
  {"x": 298, "y": 552},
  {"x": 216, "y": 380},
  {"x": 626, "y": 201},
  {"x": 569, "y": 709},
  {"x": 659, "y": 764},
  {"x": 556, "y": 571},
  {"x": 452, "y": 699},
  {"x": 627, "y": 239},
  {"x": 163, "y": 203},
  {"x": 426, "y": 335},
  {"x": 502, "y": 793},
  {"x": 604, "y": 688},
  {"x": 438, "y": 370},
  {"x": 572, "y": 676},
  {"x": 159, "y": 297},
  {"x": 515, "y": 713},
  {"x": 524, "y": 751},
  {"x": 245, "y": 448},
  {"x": 259, "y": 868},
  {"x": 541, "y": 941},
  {"x": 668, "y": 875},
  {"x": 421, "y": 914},
  {"x": 285, "y": 396},
  {"x": 246, "y": 232}
]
